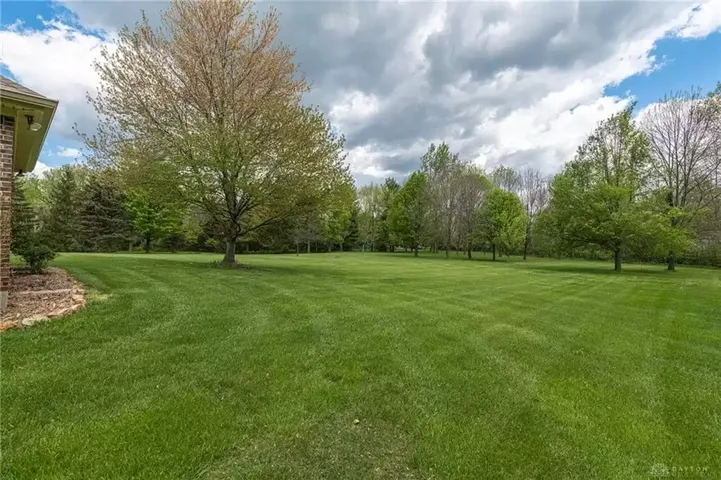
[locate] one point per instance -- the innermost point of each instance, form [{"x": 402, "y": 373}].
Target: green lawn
[{"x": 454, "y": 369}]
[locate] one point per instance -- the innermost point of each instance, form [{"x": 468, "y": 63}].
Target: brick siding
[{"x": 6, "y": 186}]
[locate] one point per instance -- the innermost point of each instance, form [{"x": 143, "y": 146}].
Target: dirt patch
[{"x": 37, "y": 298}]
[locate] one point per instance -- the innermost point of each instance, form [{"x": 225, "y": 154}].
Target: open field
[{"x": 453, "y": 369}]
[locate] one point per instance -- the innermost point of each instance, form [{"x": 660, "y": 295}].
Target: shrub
[{"x": 35, "y": 252}]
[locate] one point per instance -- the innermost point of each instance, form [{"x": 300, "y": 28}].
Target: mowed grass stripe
[{"x": 455, "y": 369}]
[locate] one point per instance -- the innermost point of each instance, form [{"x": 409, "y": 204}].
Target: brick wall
[{"x": 6, "y": 186}]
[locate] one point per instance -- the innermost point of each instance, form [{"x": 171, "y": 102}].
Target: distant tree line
[
  {"x": 204, "y": 144},
  {"x": 648, "y": 191}
]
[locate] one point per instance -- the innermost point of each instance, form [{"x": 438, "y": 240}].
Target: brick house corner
[{"x": 25, "y": 117}]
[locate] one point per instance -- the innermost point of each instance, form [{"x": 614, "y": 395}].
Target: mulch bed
[{"x": 37, "y": 298}]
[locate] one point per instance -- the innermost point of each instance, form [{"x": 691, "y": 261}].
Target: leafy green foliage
[
  {"x": 501, "y": 220},
  {"x": 352, "y": 234},
  {"x": 152, "y": 220},
  {"x": 103, "y": 222},
  {"x": 600, "y": 199},
  {"x": 242, "y": 148},
  {"x": 389, "y": 189},
  {"x": 408, "y": 216},
  {"x": 63, "y": 197},
  {"x": 34, "y": 250},
  {"x": 24, "y": 220}
]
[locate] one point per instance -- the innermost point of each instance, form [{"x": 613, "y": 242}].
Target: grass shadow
[{"x": 635, "y": 270}]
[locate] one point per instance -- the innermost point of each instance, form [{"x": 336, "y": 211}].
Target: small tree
[
  {"x": 23, "y": 219},
  {"x": 408, "y": 217},
  {"x": 336, "y": 217},
  {"x": 501, "y": 220},
  {"x": 152, "y": 220},
  {"x": 27, "y": 241}
]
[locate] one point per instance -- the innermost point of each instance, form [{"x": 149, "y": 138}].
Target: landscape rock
[
  {"x": 36, "y": 298},
  {"x": 32, "y": 320}
]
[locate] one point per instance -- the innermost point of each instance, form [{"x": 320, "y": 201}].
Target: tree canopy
[
  {"x": 211, "y": 101},
  {"x": 502, "y": 220}
]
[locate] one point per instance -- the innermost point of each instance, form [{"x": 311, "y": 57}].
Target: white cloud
[
  {"x": 515, "y": 84},
  {"x": 702, "y": 21},
  {"x": 345, "y": 25},
  {"x": 68, "y": 152},
  {"x": 56, "y": 61},
  {"x": 353, "y": 109},
  {"x": 41, "y": 169},
  {"x": 560, "y": 106}
]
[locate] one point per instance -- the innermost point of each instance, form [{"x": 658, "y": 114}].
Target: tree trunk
[
  {"x": 672, "y": 262},
  {"x": 469, "y": 251},
  {"x": 130, "y": 246},
  {"x": 308, "y": 245},
  {"x": 494, "y": 252},
  {"x": 147, "y": 244},
  {"x": 415, "y": 251},
  {"x": 448, "y": 243},
  {"x": 341, "y": 247},
  {"x": 528, "y": 240},
  {"x": 297, "y": 248},
  {"x": 617, "y": 260},
  {"x": 330, "y": 247},
  {"x": 229, "y": 258}
]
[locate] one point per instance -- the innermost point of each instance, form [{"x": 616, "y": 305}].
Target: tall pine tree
[
  {"x": 62, "y": 198},
  {"x": 24, "y": 219},
  {"x": 103, "y": 222}
]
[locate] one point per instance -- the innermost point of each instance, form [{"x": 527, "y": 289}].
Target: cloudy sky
[{"x": 516, "y": 83}]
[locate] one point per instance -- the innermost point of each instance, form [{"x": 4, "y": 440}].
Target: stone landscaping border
[{"x": 51, "y": 295}]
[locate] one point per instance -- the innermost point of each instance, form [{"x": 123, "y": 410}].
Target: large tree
[
  {"x": 501, "y": 220},
  {"x": 370, "y": 203},
  {"x": 684, "y": 131},
  {"x": 63, "y": 194},
  {"x": 442, "y": 169},
  {"x": 534, "y": 195},
  {"x": 103, "y": 223},
  {"x": 210, "y": 101},
  {"x": 471, "y": 188},
  {"x": 389, "y": 189},
  {"x": 601, "y": 198}
]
